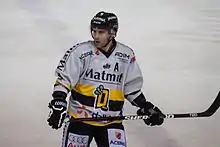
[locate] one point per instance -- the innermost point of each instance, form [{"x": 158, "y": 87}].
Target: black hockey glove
[
  {"x": 156, "y": 117},
  {"x": 57, "y": 113}
]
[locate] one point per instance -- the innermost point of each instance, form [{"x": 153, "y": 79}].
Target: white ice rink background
[{"x": 177, "y": 45}]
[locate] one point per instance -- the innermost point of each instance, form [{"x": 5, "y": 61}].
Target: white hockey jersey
[{"x": 98, "y": 84}]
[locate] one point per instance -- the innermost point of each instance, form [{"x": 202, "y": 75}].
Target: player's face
[{"x": 101, "y": 37}]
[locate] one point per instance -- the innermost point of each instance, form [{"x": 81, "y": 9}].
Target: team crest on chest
[{"x": 106, "y": 66}]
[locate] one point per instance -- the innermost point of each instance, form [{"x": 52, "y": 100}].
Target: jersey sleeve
[
  {"x": 133, "y": 81},
  {"x": 67, "y": 72}
]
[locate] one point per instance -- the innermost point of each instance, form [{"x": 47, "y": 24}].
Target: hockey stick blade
[{"x": 209, "y": 112}]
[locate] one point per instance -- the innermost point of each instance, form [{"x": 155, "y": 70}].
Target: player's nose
[{"x": 96, "y": 36}]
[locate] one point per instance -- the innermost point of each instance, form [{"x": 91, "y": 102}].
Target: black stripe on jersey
[
  {"x": 90, "y": 101},
  {"x": 83, "y": 99},
  {"x": 115, "y": 105}
]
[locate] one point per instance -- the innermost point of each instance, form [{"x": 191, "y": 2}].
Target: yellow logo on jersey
[{"x": 118, "y": 135}]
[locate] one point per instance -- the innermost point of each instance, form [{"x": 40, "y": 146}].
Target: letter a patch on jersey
[{"x": 116, "y": 69}]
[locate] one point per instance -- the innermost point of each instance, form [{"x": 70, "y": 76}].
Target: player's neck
[{"x": 108, "y": 47}]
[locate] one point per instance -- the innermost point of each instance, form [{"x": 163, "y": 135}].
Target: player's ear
[{"x": 113, "y": 33}]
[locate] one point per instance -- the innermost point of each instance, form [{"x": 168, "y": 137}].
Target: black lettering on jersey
[
  {"x": 62, "y": 63},
  {"x": 110, "y": 77},
  {"x": 97, "y": 75},
  {"x": 60, "y": 77},
  {"x": 104, "y": 76},
  {"x": 122, "y": 55},
  {"x": 116, "y": 69},
  {"x": 119, "y": 78},
  {"x": 89, "y": 73},
  {"x": 64, "y": 59}
]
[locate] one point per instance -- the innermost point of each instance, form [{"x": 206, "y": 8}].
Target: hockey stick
[{"x": 207, "y": 113}]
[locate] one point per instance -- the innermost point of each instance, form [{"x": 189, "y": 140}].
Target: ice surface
[{"x": 177, "y": 44}]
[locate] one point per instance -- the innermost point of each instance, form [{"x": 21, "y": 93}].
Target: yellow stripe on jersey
[
  {"x": 93, "y": 122},
  {"x": 87, "y": 90},
  {"x": 117, "y": 95},
  {"x": 58, "y": 82}
]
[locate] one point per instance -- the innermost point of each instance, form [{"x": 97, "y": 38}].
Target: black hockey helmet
[{"x": 104, "y": 20}]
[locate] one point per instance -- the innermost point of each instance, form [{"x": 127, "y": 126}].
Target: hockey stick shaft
[{"x": 209, "y": 112}]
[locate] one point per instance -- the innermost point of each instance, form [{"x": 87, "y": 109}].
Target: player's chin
[{"x": 98, "y": 45}]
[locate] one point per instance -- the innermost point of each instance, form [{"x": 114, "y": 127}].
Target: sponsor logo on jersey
[
  {"x": 83, "y": 55},
  {"x": 89, "y": 53},
  {"x": 96, "y": 51},
  {"x": 122, "y": 55},
  {"x": 98, "y": 114},
  {"x": 118, "y": 135},
  {"x": 103, "y": 76},
  {"x": 116, "y": 142}
]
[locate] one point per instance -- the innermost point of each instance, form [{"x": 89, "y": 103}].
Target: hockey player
[{"x": 100, "y": 74}]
